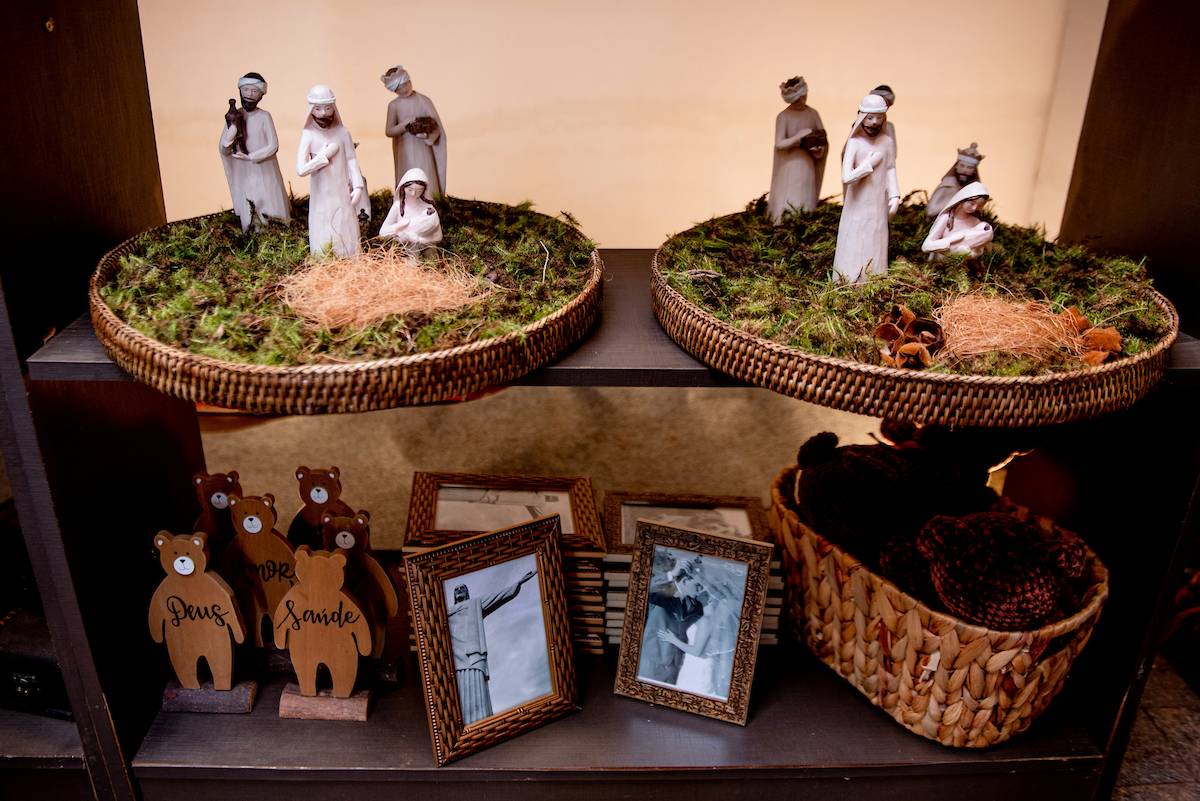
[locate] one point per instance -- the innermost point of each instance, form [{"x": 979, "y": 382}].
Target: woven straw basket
[
  {"x": 959, "y": 684},
  {"x": 919, "y": 396},
  {"x": 345, "y": 387}
]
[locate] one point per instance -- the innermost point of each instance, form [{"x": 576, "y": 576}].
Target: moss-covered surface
[
  {"x": 208, "y": 288},
  {"x": 775, "y": 282}
]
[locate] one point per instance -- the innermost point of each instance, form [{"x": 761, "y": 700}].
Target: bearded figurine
[
  {"x": 327, "y": 155},
  {"x": 418, "y": 139},
  {"x": 248, "y": 148},
  {"x": 800, "y": 149},
  {"x": 965, "y": 170},
  {"x": 870, "y": 194}
]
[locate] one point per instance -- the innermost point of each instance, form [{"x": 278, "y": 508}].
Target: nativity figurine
[
  {"x": 327, "y": 155},
  {"x": 418, "y": 139},
  {"x": 870, "y": 194},
  {"x": 800, "y": 149},
  {"x": 889, "y": 97},
  {"x": 965, "y": 170},
  {"x": 958, "y": 230},
  {"x": 412, "y": 220},
  {"x": 248, "y": 147}
]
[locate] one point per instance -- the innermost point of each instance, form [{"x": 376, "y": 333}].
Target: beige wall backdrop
[{"x": 639, "y": 117}]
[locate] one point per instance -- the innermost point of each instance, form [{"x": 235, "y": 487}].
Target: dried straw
[
  {"x": 364, "y": 289},
  {"x": 976, "y": 324}
]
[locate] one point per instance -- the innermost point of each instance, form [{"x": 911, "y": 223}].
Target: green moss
[
  {"x": 207, "y": 287},
  {"x": 775, "y": 281}
]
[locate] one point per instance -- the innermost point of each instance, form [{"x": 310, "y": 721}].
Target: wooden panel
[
  {"x": 804, "y": 721},
  {"x": 32, "y": 741},
  {"x": 87, "y": 166},
  {"x": 1133, "y": 187}
]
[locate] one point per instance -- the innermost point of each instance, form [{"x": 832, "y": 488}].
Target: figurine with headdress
[
  {"x": 870, "y": 194},
  {"x": 327, "y": 154},
  {"x": 248, "y": 148},
  {"x": 418, "y": 139},
  {"x": 965, "y": 170},
  {"x": 958, "y": 230},
  {"x": 413, "y": 220},
  {"x": 801, "y": 146}
]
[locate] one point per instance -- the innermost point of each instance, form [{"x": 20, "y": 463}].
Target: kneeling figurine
[
  {"x": 958, "y": 230},
  {"x": 412, "y": 219}
]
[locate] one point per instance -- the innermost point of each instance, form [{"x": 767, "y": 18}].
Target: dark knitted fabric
[
  {"x": 994, "y": 570},
  {"x": 903, "y": 564},
  {"x": 861, "y": 496}
]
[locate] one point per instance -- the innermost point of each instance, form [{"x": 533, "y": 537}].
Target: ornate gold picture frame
[
  {"x": 453, "y": 589},
  {"x": 581, "y": 533},
  {"x": 690, "y": 641}
]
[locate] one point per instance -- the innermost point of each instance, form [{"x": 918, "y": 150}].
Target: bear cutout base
[
  {"x": 320, "y": 624},
  {"x": 320, "y": 494},
  {"x": 366, "y": 579},
  {"x": 195, "y": 613},
  {"x": 258, "y": 562}
]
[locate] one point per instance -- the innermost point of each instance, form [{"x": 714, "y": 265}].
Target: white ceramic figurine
[
  {"x": 418, "y": 139},
  {"x": 958, "y": 229},
  {"x": 248, "y": 147},
  {"x": 889, "y": 97},
  {"x": 800, "y": 150},
  {"x": 870, "y": 194},
  {"x": 965, "y": 170},
  {"x": 327, "y": 154},
  {"x": 413, "y": 220}
]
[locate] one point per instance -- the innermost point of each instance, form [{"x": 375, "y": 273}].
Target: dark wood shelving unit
[{"x": 41, "y": 758}]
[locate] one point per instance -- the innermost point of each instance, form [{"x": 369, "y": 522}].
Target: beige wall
[{"x": 639, "y": 117}]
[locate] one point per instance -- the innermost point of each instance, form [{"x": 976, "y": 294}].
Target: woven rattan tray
[
  {"x": 922, "y": 397},
  {"x": 422, "y": 378}
]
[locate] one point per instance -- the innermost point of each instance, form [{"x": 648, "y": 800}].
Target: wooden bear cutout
[
  {"x": 212, "y": 493},
  {"x": 366, "y": 579},
  {"x": 320, "y": 624},
  {"x": 259, "y": 562},
  {"x": 194, "y": 611},
  {"x": 321, "y": 494}
]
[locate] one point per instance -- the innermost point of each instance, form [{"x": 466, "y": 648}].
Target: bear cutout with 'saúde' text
[
  {"x": 194, "y": 611},
  {"x": 320, "y": 624},
  {"x": 259, "y": 562},
  {"x": 365, "y": 577},
  {"x": 212, "y": 493},
  {"x": 321, "y": 494}
]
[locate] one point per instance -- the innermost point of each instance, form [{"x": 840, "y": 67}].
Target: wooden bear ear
[
  {"x": 234, "y": 500},
  {"x": 302, "y": 554},
  {"x": 339, "y": 557},
  {"x": 364, "y": 517},
  {"x": 161, "y": 539},
  {"x": 326, "y": 519},
  {"x": 269, "y": 500},
  {"x": 232, "y": 476},
  {"x": 199, "y": 538},
  {"x": 335, "y": 473},
  {"x": 198, "y": 479},
  {"x": 301, "y": 472}
]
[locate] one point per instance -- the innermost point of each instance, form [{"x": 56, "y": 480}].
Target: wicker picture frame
[
  {"x": 614, "y": 501},
  {"x": 586, "y": 539},
  {"x": 427, "y": 573},
  {"x": 756, "y": 556}
]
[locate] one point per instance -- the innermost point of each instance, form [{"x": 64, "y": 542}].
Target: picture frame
[
  {"x": 456, "y": 683},
  {"x": 617, "y": 513},
  {"x": 581, "y": 531},
  {"x": 714, "y": 571}
]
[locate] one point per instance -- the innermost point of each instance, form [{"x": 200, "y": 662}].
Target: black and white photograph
[
  {"x": 695, "y": 606},
  {"x": 475, "y": 508},
  {"x": 728, "y": 521},
  {"x": 498, "y": 637}
]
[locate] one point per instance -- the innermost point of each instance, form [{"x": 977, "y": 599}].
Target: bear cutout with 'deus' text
[
  {"x": 366, "y": 579},
  {"x": 259, "y": 562},
  {"x": 320, "y": 624},
  {"x": 321, "y": 494},
  {"x": 194, "y": 612}
]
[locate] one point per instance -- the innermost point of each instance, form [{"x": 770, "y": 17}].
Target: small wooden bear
[
  {"x": 322, "y": 625},
  {"x": 321, "y": 494},
  {"x": 212, "y": 493},
  {"x": 194, "y": 611},
  {"x": 365, "y": 577},
  {"x": 259, "y": 561}
]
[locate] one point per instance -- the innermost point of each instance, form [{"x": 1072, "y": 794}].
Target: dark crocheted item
[
  {"x": 997, "y": 571},
  {"x": 861, "y": 496},
  {"x": 903, "y": 564}
]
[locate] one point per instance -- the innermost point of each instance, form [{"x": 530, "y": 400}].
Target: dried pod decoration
[
  {"x": 909, "y": 341},
  {"x": 1098, "y": 343}
]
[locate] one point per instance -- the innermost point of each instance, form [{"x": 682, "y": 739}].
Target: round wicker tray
[
  {"x": 922, "y": 397},
  {"x": 421, "y": 378}
]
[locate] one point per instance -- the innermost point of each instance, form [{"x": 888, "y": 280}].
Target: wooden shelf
[
  {"x": 806, "y": 725},
  {"x": 33, "y": 741}
]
